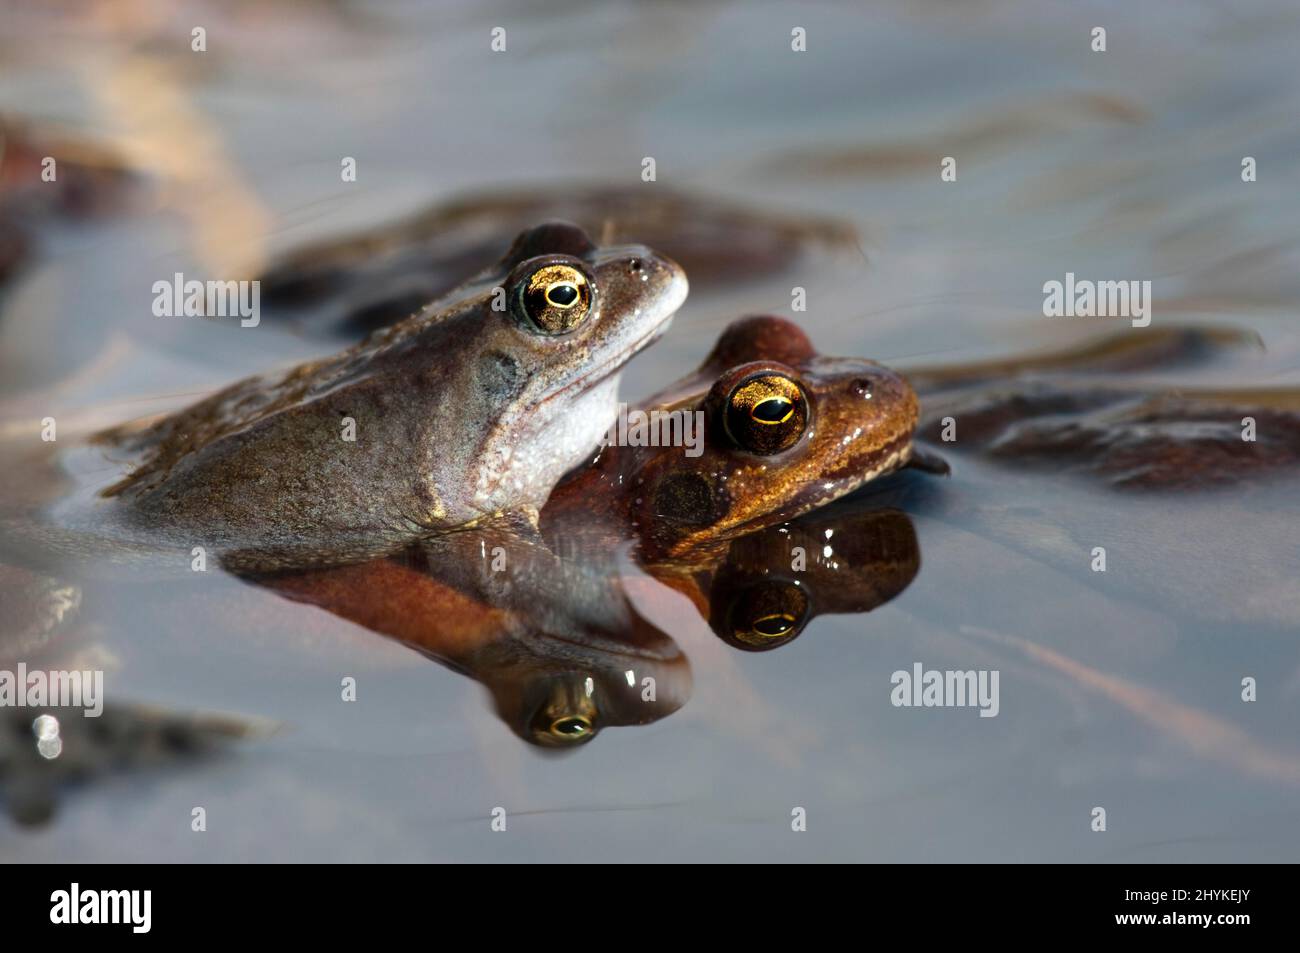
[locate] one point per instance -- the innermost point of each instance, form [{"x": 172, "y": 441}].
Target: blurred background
[{"x": 1117, "y": 165}]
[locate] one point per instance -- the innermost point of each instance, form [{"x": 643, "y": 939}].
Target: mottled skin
[
  {"x": 461, "y": 412},
  {"x": 681, "y": 507}
]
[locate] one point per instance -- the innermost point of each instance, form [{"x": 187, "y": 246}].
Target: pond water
[{"x": 1120, "y": 690}]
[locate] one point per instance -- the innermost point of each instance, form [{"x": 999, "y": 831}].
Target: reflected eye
[
  {"x": 768, "y": 615},
  {"x": 565, "y": 715},
  {"x": 767, "y": 413},
  {"x": 571, "y": 728},
  {"x": 555, "y": 298},
  {"x": 562, "y": 730},
  {"x": 773, "y": 626}
]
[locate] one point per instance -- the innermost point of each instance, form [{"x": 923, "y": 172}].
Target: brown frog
[{"x": 785, "y": 430}]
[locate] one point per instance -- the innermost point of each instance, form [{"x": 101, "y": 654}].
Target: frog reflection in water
[
  {"x": 458, "y": 414},
  {"x": 846, "y": 558},
  {"x": 556, "y": 640}
]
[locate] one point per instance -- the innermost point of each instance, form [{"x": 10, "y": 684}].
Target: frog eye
[
  {"x": 564, "y": 730},
  {"x": 570, "y": 728},
  {"x": 555, "y": 298},
  {"x": 566, "y": 715},
  {"x": 766, "y": 413},
  {"x": 767, "y": 615}
]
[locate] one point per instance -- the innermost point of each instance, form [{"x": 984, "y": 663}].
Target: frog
[
  {"x": 862, "y": 550},
  {"x": 473, "y": 407},
  {"x": 785, "y": 430},
  {"x": 544, "y": 616}
]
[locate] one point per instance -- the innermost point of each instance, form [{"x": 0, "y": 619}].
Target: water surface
[{"x": 1120, "y": 690}]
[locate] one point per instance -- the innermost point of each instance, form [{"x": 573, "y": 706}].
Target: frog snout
[{"x": 665, "y": 279}]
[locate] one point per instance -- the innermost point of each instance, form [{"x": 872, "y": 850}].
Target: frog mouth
[
  {"x": 611, "y": 367},
  {"x": 540, "y": 416},
  {"x": 812, "y": 493}
]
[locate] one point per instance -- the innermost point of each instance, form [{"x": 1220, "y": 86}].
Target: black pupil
[
  {"x": 772, "y": 410},
  {"x": 570, "y": 726},
  {"x": 562, "y": 295},
  {"x": 773, "y": 625}
]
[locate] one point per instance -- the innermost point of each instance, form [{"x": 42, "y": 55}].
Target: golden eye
[
  {"x": 772, "y": 411},
  {"x": 565, "y": 714},
  {"x": 774, "y": 625},
  {"x": 768, "y": 615},
  {"x": 571, "y": 728},
  {"x": 767, "y": 413},
  {"x": 556, "y": 298}
]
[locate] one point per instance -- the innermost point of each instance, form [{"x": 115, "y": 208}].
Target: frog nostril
[
  {"x": 862, "y": 387},
  {"x": 634, "y": 264}
]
